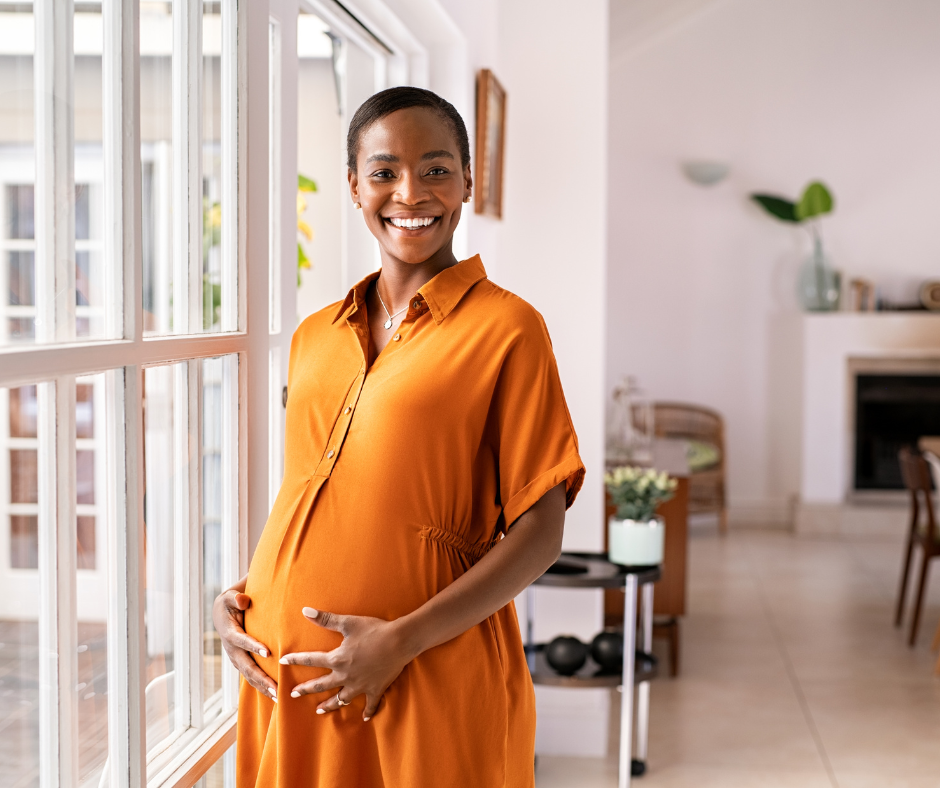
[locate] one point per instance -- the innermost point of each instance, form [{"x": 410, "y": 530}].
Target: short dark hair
[{"x": 388, "y": 101}]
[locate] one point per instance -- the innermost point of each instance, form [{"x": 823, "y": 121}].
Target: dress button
[
  {"x": 330, "y": 453},
  {"x": 417, "y": 304},
  {"x": 396, "y": 337},
  {"x": 348, "y": 409}
]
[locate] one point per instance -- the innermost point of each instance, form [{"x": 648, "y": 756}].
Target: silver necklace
[{"x": 388, "y": 323}]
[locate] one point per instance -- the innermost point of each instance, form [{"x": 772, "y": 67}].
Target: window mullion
[
  {"x": 126, "y": 707},
  {"x": 187, "y": 170},
  {"x": 121, "y": 151},
  {"x": 55, "y": 181},
  {"x": 58, "y": 647}
]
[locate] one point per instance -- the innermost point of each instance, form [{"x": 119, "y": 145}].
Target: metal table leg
[
  {"x": 643, "y": 693},
  {"x": 626, "y": 700},
  {"x": 530, "y": 627}
]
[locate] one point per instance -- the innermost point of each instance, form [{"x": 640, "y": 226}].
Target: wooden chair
[
  {"x": 933, "y": 461},
  {"x": 695, "y": 423},
  {"x": 923, "y": 532}
]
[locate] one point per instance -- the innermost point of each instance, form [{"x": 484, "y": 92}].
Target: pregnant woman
[{"x": 430, "y": 459}]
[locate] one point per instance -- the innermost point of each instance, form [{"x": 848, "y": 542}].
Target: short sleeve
[{"x": 537, "y": 444}]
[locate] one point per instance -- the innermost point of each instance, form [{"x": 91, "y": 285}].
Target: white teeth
[{"x": 410, "y": 224}]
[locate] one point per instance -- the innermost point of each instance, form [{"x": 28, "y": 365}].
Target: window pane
[
  {"x": 92, "y": 581},
  {"x": 19, "y": 587},
  {"x": 212, "y": 166},
  {"x": 156, "y": 154},
  {"x": 17, "y": 176},
  {"x": 183, "y": 286},
  {"x": 164, "y": 398},
  {"x": 91, "y": 298}
]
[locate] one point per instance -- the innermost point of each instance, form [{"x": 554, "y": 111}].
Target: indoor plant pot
[{"x": 636, "y": 542}]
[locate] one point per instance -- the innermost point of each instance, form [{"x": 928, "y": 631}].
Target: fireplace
[{"x": 891, "y": 411}]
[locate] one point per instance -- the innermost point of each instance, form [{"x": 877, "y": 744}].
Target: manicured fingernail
[
  {"x": 366, "y": 719},
  {"x": 272, "y": 693},
  {"x": 263, "y": 652},
  {"x": 283, "y": 661},
  {"x": 321, "y": 711},
  {"x": 274, "y": 698},
  {"x": 296, "y": 694},
  {"x": 309, "y": 612}
]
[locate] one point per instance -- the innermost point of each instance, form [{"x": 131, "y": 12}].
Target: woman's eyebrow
[
  {"x": 437, "y": 154},
  {"x": 381, "y": 157}
]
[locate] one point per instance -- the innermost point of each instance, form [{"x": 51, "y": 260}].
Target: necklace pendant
[{"x": 387, "y": 324}]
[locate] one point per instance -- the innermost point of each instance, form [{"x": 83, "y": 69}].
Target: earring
[
  {"x": 357, "y": 205},
  {"x": 467, "y": 199}
]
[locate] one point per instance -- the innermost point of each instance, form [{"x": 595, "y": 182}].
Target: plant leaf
[
  {"x": 816, "y": 201},
  {"x": 305, "y": 184},
  {"x": 780, "y": 207}
]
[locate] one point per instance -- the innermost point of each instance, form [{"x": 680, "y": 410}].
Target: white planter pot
[{"x": 636, "y": 543}]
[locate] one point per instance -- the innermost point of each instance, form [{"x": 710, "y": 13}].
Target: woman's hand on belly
[
  {"x": 228, "y": 615},
  {"x": 369, "y": 659}
]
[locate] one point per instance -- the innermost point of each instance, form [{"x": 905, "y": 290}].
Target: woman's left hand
[{"x": 370, "y": 658}]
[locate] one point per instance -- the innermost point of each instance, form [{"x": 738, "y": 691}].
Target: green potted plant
[
  {"x": 819, "y": 284},
  {"x": 635, "y": 535}
]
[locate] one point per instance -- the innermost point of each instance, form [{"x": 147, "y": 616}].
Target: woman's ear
[
  {"x": 353, "y": 179},
  {"x": 468, "y": 183}
]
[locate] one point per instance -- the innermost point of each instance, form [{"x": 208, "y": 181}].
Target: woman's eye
[
  {"x": 383, "y": 174},
  {"x": 437, "y": 171}
]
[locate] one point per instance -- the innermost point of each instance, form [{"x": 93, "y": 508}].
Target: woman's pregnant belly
[{"x": 341, "y": 561}]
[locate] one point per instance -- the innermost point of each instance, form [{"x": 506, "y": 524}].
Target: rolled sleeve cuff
[{"x": 570, "y": 471}]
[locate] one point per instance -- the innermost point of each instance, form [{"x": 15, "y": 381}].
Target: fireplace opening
[{"x": 891, "y": 411}]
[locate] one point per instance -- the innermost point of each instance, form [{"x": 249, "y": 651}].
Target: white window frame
[{"x": 56, "y": 360}]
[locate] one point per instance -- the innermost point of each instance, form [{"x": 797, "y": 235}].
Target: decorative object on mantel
[
  {"x": 930, "y": 295},
  {"x": 705, "y": 173},
  {"x": 861, "y": 295},
  {"x": 566, "y": 654},
  {"x": 635, "y": 535},
  {"x": 819, "y": 283}
]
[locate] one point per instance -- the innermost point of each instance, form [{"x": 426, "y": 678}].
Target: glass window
[{"x": 119, "y": 489}]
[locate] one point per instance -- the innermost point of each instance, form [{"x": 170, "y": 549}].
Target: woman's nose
[{"x": 411, "y": 190}]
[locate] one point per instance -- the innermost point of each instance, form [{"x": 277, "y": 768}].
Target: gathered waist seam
[{"x": 472, "y": 550}]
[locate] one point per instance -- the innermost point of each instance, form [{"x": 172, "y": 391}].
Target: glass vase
[{"x": 820, "y": 285}]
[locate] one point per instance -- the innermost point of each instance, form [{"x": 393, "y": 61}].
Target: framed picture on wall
[{"x": 491, "y": 137}]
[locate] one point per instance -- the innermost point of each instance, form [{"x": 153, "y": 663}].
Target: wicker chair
[{"x": 695, "y": 423}]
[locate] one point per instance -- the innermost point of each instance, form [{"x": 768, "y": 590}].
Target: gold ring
[{"x": 340, "y": 701}]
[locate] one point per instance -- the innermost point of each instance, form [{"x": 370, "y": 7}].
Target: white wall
[
  {"x": 555, "y": 146},
  {"x": 701, "y": 302}
]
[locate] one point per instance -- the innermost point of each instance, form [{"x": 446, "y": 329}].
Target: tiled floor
[{"x": 792, "y": 675}]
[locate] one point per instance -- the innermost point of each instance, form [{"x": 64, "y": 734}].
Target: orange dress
[{"x": 399, "y": 475}]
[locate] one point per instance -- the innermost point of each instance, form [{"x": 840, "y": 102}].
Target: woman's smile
[{"x": 411, "y": 226}]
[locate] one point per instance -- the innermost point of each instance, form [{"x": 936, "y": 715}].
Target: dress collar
[{"x": 442, "y": 293}]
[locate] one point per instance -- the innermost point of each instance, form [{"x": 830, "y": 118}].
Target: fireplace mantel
[{"x": 835, "y": 347}]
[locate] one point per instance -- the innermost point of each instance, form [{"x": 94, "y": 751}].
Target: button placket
[{"x": 341, "y": 428}]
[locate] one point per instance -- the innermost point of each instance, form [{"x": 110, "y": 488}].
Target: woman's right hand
[{"x": 228, "y": 615}]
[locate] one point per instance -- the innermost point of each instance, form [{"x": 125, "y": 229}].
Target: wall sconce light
[{"x": 705, "y": 173}]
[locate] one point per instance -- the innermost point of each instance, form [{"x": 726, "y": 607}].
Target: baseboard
[{"x": 851, "y": 520}]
